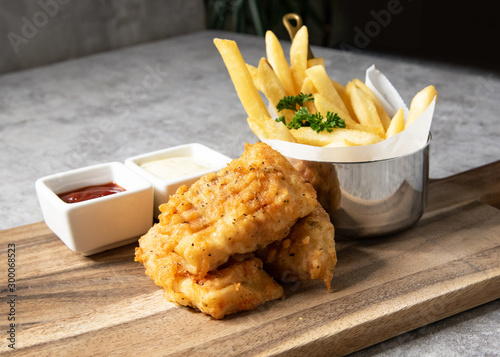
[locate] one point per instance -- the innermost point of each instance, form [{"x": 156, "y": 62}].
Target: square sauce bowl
[
  {"x": 94, "y": 225},
  {"x": 170, "y": 168}
]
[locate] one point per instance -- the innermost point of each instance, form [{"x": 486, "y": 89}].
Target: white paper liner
[
  {"x": 385, "y": 92},
  {"x": 408, "y": 141}
]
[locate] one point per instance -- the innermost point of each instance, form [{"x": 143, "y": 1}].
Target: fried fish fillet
[
  {"x": 323, "y": 177},
  {"x": 307, "y": 253},
  {"x": 240, "y": 285},
  {"x": 251, "y": 203}
]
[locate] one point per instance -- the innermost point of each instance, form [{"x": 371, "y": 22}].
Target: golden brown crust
[
  {"x": 323, "y": 177},
  {"x": 239, "y": 286},
  {"x": 202, "y": 251},
  {"x": 308, "y": 253},
  {"x": 251, "y": 203}
]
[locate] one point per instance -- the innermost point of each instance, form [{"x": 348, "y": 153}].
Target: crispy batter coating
[
  {"x": 202, "y": 250},
  {"x": 240, "y": 285},
  {"x": 308, "y": 253},
  {"x": 251, "y": 203},
  {"x": 323, "y": 177}
]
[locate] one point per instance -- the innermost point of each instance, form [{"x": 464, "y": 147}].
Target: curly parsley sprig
[
  {"x": 303, "y": 118},
  {"x": 291, "y": 102}
]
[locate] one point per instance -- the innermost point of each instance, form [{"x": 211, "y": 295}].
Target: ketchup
[{"x": 90, "y": 192}]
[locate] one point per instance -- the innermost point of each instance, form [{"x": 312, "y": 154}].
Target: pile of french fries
[{"x": 365, "y": 118}]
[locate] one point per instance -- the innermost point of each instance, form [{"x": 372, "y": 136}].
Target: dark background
[
  {"x": 458, "y": 32},
  {"x": 464, "y": 33}
]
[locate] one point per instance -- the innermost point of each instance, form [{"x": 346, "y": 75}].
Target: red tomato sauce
[{"x": 90, "y": 192}]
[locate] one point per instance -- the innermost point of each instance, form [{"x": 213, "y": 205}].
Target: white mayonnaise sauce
[{"x": 174, "y": 167}]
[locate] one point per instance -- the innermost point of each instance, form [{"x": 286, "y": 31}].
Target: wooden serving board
[{"x": 67, "y": 304}]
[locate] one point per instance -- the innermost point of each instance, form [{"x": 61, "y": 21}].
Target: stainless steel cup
[{"x": 368, "y": 199}]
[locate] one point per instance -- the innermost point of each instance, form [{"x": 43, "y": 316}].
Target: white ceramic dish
[
  {"x": 164, "y": 188},
  {"x": 98, "y": 224}
]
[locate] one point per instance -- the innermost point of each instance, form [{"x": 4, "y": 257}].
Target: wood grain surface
[{"x": 67, "y": 304}]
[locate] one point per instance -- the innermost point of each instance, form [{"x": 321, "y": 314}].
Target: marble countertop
[{"x": 118, "y": 104}]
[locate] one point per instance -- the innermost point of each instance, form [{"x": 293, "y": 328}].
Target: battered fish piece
[
  {"x": 308, "y": 253},
  {"x": 251, "y": 203},
  {"x": 240, "y": 285},
  {"x": 323, "y": 177}
]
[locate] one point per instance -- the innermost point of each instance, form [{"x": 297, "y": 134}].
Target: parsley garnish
[
  {"x": 304, "y": 118},
  {"x": 291, "y": 102}
]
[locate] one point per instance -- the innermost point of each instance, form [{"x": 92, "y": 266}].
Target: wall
[{"x": 38, "y": 32}]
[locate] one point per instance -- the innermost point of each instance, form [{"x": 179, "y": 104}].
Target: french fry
[
  {"x": 255, "y": 76},
  {"x": 345, "y": 98},
  {"x": 323, "y": 105},
  {"x": 308, "y": 88},
  {"x": 256, "y": 126},
  {"x": 338, "y": 144},
  {"x": 365, "y": 118},
  {"x": 267, "y": 128},
  {"x": 365, "y": 109},
  {"x": 336, "y": 137},
  {"x": 315, "y": 61},
  {"x": 350, "y": 143},
  {"x": 324, "y": 85},
  {"x": 276, "y": 58},
  {"x": 360, "y": 137},
  {"x": 242, "y": 79},
  {"x": 307, "y": 136},
  {"x": 298, "y": 56},
  {"x": 338, "y": 87},
  {"x": 397, "y": 124},
  {"x": 384, "y": 118},
  {"x": 272, "y": 88},
  {"x": 419, "y": 104}
]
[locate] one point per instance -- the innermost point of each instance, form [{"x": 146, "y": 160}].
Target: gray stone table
[{"x": 114, "y": 105}]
